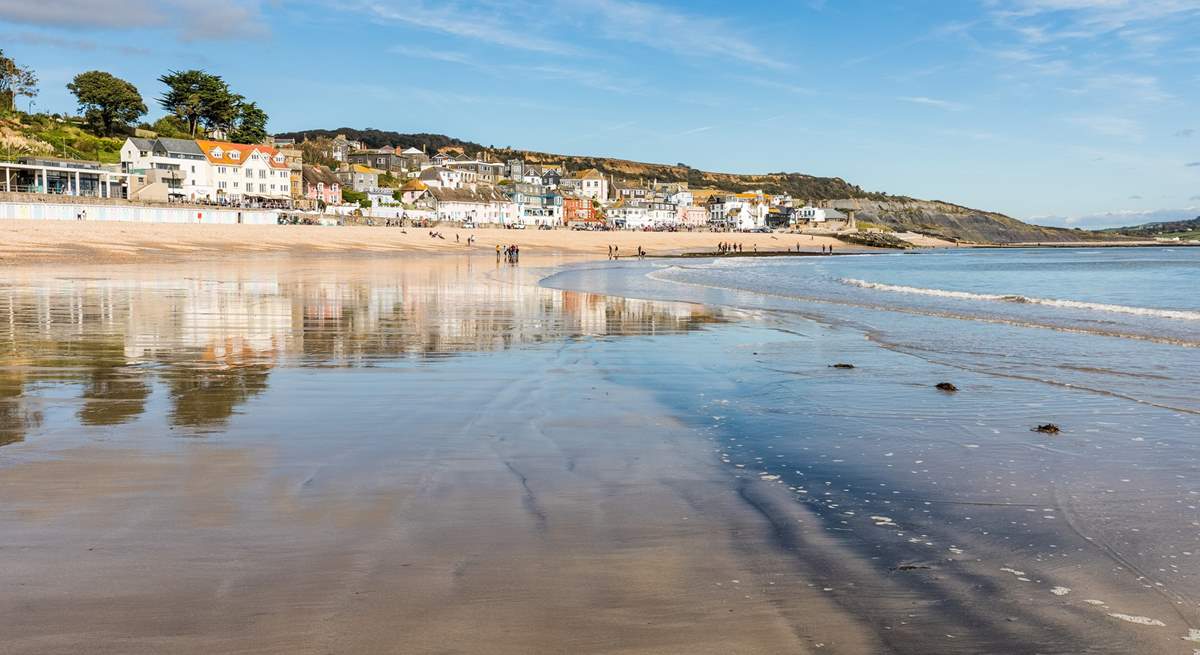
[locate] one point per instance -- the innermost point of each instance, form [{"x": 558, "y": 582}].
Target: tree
[
  {"x": 198, "y": 98},
  {"x": 107, "y": 101},
  {"x": 169, "y": 126},
  {"x": 250, "y": 124},
  {"x": 15, "y": 81}
]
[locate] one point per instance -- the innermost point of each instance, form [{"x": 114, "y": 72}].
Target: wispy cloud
[
  {"x": 1186, "y": 133},
  {"x": 455, "y": 19},
  {"x": 933, "y": 102},
  {"x": 697, "y": 130},
  {"x": 1115, "y": 126},
  {"x": 670, "y": 30},
  {"x": 193, "y": 21},
  {"x": 1192, "y": 164},
  {"x": 1125, "y": 218}
]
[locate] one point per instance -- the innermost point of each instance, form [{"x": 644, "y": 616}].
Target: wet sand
[
  {"x": 29, "y": 242},
  {"x": 300, "y": 490},
  {"x": 432, "y": 455}
]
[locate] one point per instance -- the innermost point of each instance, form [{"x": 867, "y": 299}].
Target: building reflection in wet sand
[{"x": 209, "y": 339}]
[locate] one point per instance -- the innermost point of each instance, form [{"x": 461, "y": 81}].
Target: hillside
[
  {"x": 40, "y": 134},
  {"x": 1189, "y": 229},
  {"x": 936, "y": 218}
]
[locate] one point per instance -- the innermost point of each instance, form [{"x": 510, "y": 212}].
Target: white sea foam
[{"x": 1177, "y": 314}]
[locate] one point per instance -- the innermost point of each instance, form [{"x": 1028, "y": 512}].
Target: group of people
[
  {"x": 614, "y": 252},
  {"x": 511, "y": 254},
  {"x": 726, "y": 248}
]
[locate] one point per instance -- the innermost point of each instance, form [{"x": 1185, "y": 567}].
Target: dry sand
[{"x": 25, "y": 242}]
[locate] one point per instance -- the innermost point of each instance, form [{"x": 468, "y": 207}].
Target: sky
[{"x": 1083, "y": 113}]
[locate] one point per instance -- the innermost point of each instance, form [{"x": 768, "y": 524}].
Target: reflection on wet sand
[{"x": 212, "y": 337}]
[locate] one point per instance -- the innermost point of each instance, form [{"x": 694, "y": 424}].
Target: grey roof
[
  {"x": 182, "y": 146},
  {"x": 142, "y": 144}
]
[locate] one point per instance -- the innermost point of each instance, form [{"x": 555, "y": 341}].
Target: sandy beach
[{"x": 24, "y": 242}]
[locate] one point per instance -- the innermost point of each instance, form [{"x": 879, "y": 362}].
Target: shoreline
[{"x": 74, "y": 242}]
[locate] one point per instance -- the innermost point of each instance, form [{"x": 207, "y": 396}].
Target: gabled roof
[
  {"x": 412, "y": 151},
  {"x": 589, "y": 174},
  {"x": 359, "y": 168},
  {"x": 414, "y": 185},
  {"x": 219, "y": 152},
  {"x": 141, "y": 144}
]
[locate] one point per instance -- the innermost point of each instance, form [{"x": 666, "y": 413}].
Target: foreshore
[{"x": 81, "y": 242}]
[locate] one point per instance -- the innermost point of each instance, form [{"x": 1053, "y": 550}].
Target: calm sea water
[{"x": 1101, "y": 519}]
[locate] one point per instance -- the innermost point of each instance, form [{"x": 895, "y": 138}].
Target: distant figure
[
  {"x": 497, "y": 252},
  {"x": 610, "y": 251},
  {"x": 831, "y": 249},
  {"x": 456, "y": 237}
]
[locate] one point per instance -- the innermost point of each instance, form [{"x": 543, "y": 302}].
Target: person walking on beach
[
  {"x": 610, "y": 251},
  {"x": 497, "y": 253}
]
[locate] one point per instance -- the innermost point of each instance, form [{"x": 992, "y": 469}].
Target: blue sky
[{"x": 1063, "y": 112}]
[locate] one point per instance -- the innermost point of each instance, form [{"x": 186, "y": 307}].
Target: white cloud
[
  {"x": 191, "y": 19},
  {"x": 933, "y": 102},
  {"x": 697, "y": 130},
  {"x": 670, "y": 30},
  {"x": 454, "y": 19}
]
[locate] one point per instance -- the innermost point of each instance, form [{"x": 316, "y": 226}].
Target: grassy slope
[{"x": 45, "y": 135}]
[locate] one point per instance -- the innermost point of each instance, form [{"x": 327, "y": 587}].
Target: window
[
  {"x": 262, "y": 175},
  {"x": 249, "y": 173},
  {"x": 217, "y": 152},
  {"x": 235, "y": 155}
]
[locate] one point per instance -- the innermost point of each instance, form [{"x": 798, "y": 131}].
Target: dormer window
[
  {"x": 235, "y": 155},
  {"x": 279, "y": 158},
  {"x": 217, "y": 152}
]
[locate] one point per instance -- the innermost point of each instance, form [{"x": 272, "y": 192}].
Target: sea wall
[{"x": 68, "y": 211}]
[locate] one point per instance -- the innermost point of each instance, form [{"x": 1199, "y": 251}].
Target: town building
[
  {"x": 589, "y": 184},
  {"x": 341, "y": 147},
  {"x": 247, "y": 174},
  {"x": 321, "y": 185},
  {"x": 580, "y": 212},
  {"x": 71, "y": 177},
  {"x": 437, "y": 177},
  {"x": 184, "y": 169},
  {"x": 358, "y": 177},
  {"x": 483, "y": 206}
]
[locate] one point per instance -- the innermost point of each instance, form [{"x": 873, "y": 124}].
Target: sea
[{"x": 956, "y": 496}]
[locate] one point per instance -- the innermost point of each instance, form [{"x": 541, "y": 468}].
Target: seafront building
[{"x": 218, "y": 172}]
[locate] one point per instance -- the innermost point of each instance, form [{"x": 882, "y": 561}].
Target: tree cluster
[{"x": 204, "y": 100}]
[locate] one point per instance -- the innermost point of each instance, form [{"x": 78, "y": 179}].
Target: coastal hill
[
  {"x": 1189, "y": 229},
  {"x": 900, "y": 213}
]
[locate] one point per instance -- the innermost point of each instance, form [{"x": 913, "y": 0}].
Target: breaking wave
[{"x": 1177, "y": 314}]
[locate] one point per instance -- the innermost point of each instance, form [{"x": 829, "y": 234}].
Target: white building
[
  {"x": 247, "y": 173},
  {"x": 742, "y": 211},
  {"x": 486, "y": 206},
  {"x": 212, "y": 171},
  {"x": 436, "y": 177},
  {"x": 180, "y": 162},
  {"x": 588, "y": 184},
  {"x": 818, "y": 214}
]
